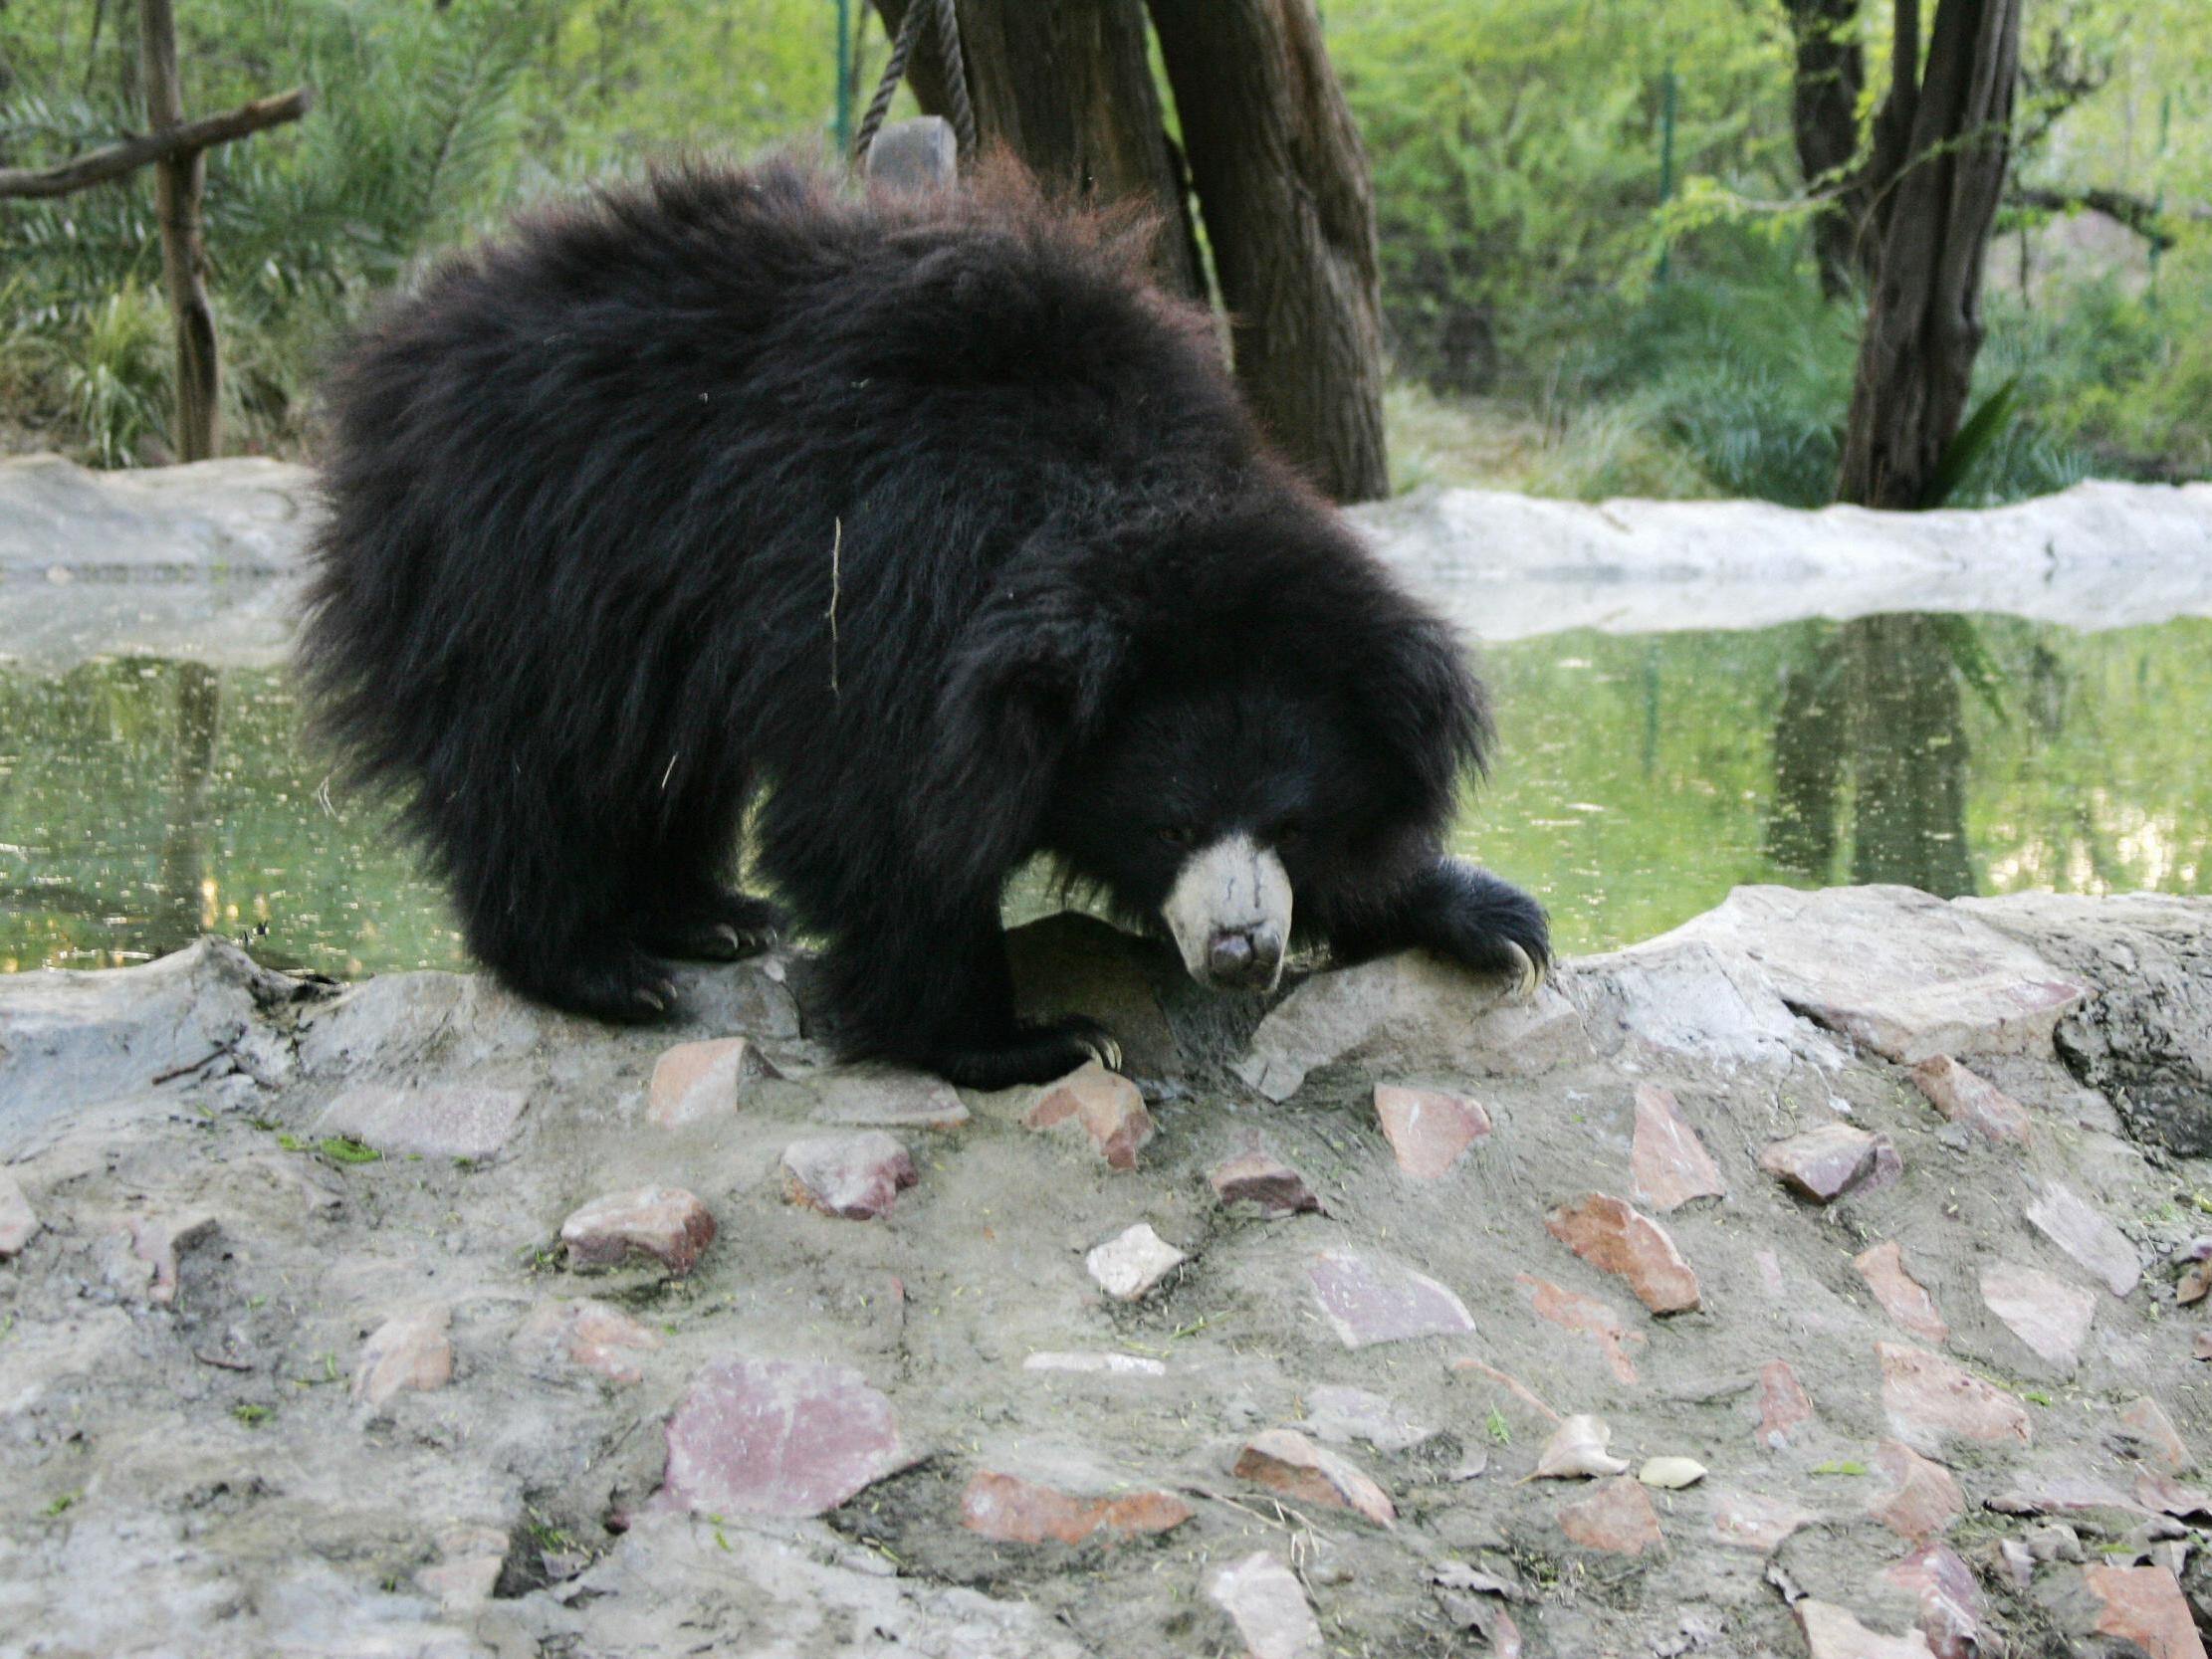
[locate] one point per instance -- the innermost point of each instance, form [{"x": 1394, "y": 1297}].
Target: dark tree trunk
[
  {"x": 1808, "y": 755},
  {"x": 177, "y": 184},
  {"x": 1909, "y": 755},
  {"x": 1067, "y": 87},
  {"x": 1941, "y": 145},
  {"x": 1825, "y": 89},
  {"x": 1282, "y": 182}
]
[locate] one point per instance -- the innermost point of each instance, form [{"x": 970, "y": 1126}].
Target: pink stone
[
  {"x": 1770, "y": 1274},
  {"x": 1370, "y": 1300},
  {"x": 1268, "y": 1607},
  {"x": 1747, "y": 1520},
  {"x": 1104, "y": 1105},
  {"x": 411, "y": 1351},
  {"x": 440, "y": 1120},
  {"x": 18, "y": 1221},
  {"x": 697, "y": 1083},
  {"x": 588, "y": 1335},
  {"x": 1901, "y": 1297},
  {"x": 1950, "y": 1599},
  {"x": 1289, "y": 1463},
  {"x": 1511, "y": 1385},
  {"x": 2163, "y": 1496},
  {"x": 2050, "y": 1495},
  {"x": 2145, "y": 1605},
  {"x": 2148, "y": 1424},
  {"x": 1608, "y": 1234},
  {"x": 159, "y": 1245},
  {"x": 1259, "y": 1177},
  {"x": 2202, "y": 1348},
  {"x": 1670, "y": 1163},
  {"x": 1428, "y": 1128},
  {"x": 1921, "y": 1497},
  {"x": 1821, "y": 1164},
  {"x": 881, "y": 1097},
  {"x": 778, "y": 1437},
  {"x": 664, "y": 1222},
  {"x": 1782, "y": 1404},
  {"x": 855, "y": 1176},
  {"x": 1015, "y": 1511},
  {"x": 1582, "y": 1312},
  {"x": 2083, "y": 1232},
  {"x": 1832, "y": 1633},
  {"x": 1927, "y": 1397},
  {"x": 2049, "y": 1314},
  {"x": 1966, "y": 1097},
  {"x": 1617, "y": 1517}
]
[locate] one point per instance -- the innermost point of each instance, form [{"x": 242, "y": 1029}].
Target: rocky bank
[{"x": 1821, "y": 1277}]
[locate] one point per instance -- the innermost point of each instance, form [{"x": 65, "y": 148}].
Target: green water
[{"x": 1639, "y": 777}]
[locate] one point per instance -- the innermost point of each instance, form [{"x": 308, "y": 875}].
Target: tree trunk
[
  {"x": 178, "y": 183},
  {"x": 1909, "y": 755},
  {"x": 1282, "y": 183},
  {"x": 1824, "y": 112},
  {"x": 1941, "y": 145},
  {"x": 1067, "y": 87}
]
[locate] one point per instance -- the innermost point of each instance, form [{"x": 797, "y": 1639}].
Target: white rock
[
  {"x": 1119, "y": 1364},
  {"x": 1268, "y": 1607},
  {"x": 1132, "y": 1263},
  {"x": 1671, "y": 1474}
]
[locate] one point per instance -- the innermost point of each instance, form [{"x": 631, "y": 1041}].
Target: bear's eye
[{"x": 1176, "y": 835}]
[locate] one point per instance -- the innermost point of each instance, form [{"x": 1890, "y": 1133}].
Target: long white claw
[{"x": 1530, "y": 976}]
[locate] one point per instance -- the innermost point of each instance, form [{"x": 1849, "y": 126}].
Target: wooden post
[{"x": 178, "y": 180}]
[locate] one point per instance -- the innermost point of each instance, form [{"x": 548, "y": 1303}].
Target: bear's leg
[
  {"x": 688, "y": 912},
  {"x": 549, "y": 908},
  {"x": 935, "y": 991},
  {"x": 1458, "y": 911}
]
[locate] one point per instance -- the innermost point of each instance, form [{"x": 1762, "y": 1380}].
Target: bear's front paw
[
  {"x": 627, "y": 988},
  {"x": 1035, "y": 1054},
  {"x": 1503, "y": 931}
]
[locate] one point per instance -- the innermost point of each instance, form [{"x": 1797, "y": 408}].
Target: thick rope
[{"x": 962, "y": 111}]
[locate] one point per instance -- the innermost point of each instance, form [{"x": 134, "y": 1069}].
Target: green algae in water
[{"x": 1639, "y": 777}]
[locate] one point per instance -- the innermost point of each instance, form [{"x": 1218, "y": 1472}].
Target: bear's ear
[
  {"x": 1424, "y": 710},
  {"x": 1029, "y": 679}
]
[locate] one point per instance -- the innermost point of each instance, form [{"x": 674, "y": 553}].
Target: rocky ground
[{"x": 1821, "y": 1277}]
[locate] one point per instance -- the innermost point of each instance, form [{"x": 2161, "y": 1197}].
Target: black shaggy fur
[{"x": 929, "y": 519}]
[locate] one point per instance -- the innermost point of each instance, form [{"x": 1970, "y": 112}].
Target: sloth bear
[{"x": 930, "y": 522}]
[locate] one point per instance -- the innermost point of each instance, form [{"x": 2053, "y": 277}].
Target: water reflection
[{"x": 1641, "y": 778}]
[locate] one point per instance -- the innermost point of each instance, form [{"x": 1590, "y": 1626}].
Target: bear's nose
[{"x": 1244, "y": 957}]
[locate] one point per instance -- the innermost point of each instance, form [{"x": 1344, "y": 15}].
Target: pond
[{"x": 1638, "y": 778}]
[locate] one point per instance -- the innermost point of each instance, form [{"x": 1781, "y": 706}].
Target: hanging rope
[{"x": 958, "y": 109}]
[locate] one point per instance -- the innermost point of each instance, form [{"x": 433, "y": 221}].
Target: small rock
[
  {"x": 2153, "y": 1431},
  {"x": 1927, "y": 1397},
  {"x": 1747, "y": 1520},
  {"x": 2053, "y": 1541},
  {"x": 18, "y": 1221},
  {"x": 664, "y": 1222},
  {"x": 2042, "y": 1496},
  {"x": 778, "y": 1437},
  {"x": 1342, "y": 1414},
  {"x": 1369, "y": 1299},
  {"x": 2069, "y": 1221},
  {"x": 1671, "y": 1474},
  {"x": 1015, "y": 1511},
  {"x": 1428, "y": 1128},
  {"x": 1265, "y": 1602},
  {"x": 2019, "y": 1565},
  {"x": 881, "y": 1097},
  {"x": 1616, "y": 1518},
  {"x": 1259, "y": 1177},
  {"x": 462, "y": 1582},
  {"x": 1832, "y": 1633},
  {"x": 1821, "y": 1164},
  {"x": 1121, "y": 1364},
  {"x": 440, "y": 1120},
  {"x": 855, "y": 1176},
  {"x": 589, "y": 1334},
  {"x": 2163, "y": 1496},
  {"x": 1131, "y": 1263},
  {"x": 1923, "y": 1499},
  {"x": 1582, "y": 1312},
  {"x": 700, "y": 1082},
  {"x": 1292, "y": 1464},
  {"x": 2145, "y": 1605},
  {"x": 1104, "y": 1105},
  {"x": 411, "y": 1351},
  {"x": 1901, "y": 1296},
  {"x": 1950, "y": 1599},
  {"x": 157, "y": 1246},
  {"x": 1966, "y": 1097},
  {"x": 1782, "y": 1404},
  {"x": 1670, "y": 1163},
  {"x": 2202, "y": 1348},
  {"x": 1608, "y": 1234},
  {"x": 2051, "y": 1316}
]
